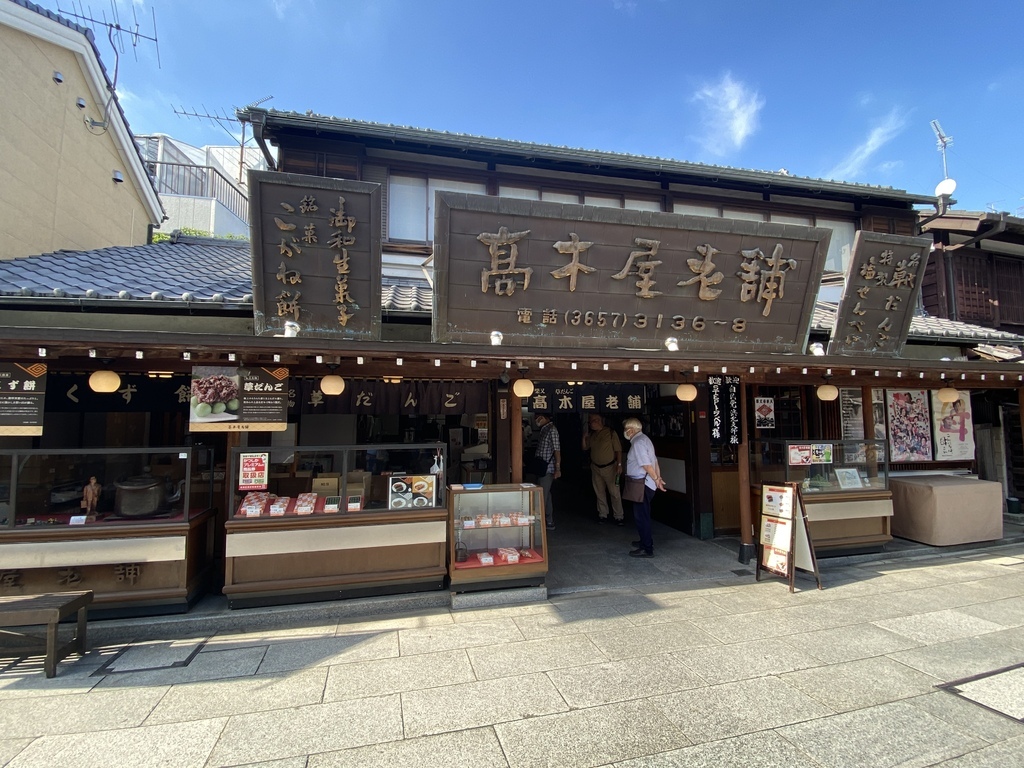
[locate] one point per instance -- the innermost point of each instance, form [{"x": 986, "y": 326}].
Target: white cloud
[
  {"x": 856, "y": 161},
  {"x": 730, "y": 112},
  {"x": 281, "y": 8},
  {"x": 890, "y": 165},
  {"x": 624, "y": 5}
]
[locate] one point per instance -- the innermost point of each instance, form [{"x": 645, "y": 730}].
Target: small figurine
[{"x": 91, "y": 495}]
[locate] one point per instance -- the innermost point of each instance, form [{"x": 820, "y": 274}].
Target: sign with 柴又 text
[
  {"x": 253, "y": 471},
  {"x": 608, "y": 399},
  {"x": 724, "y": 399},
  {"x": 227, "y": 399},
  {"x": 22, "y": 398},
  {"x": 315, "y": 256},
  {"x": 545, "y": 274},
  {"x": 882, "y": 285}
]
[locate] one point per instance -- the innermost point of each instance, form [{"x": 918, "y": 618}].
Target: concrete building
[{"x": 72, "y": 177}]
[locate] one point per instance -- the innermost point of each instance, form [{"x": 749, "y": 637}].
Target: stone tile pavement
[{"x": 682, "y": 664}]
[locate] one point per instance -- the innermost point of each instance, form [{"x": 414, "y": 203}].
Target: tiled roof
[
  {"x": 184, "y": 270},
  {"x": 594, "y": 158},
  {"x": 214, "y": 271},
  {"x": 925, "y": 328}
]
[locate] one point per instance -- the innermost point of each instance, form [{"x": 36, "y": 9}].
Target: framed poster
[
  {"x": 910, "y": 427},
  {"x": 800, "y": 456},
  {"x": 764, "y": 413},
  {"x": 848, "y": 477},
  {"x": 951, "y": 425}
]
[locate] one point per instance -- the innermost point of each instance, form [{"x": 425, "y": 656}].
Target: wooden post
[
  {"x": 868, "y": 417},
  {"x": 515, "y": 428},
  {"x": 747, "y": 548}
]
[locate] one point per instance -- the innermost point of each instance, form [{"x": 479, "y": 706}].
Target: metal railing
[{"x": 199, "y": 181}]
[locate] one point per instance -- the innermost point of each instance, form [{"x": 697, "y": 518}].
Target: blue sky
[{"x": 822, "y": 88}]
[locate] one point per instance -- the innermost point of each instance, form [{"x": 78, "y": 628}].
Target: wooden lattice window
[
  {"x": 973, "y": 289},
  {"x": 1010, "y": 290}
]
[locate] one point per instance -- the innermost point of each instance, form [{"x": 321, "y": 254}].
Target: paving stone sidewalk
[{"x": 720, "y": 671}]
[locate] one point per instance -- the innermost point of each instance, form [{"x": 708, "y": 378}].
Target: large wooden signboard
[
  {"x": 883, "y": 282},
  {"x": 315, "y": 256},
  {"x": 547, "y": 274},
  {"x": 784, "y": 543}
]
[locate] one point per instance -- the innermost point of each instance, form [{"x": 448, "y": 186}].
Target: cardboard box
[
  {"x": 358, "y": 482},
  {"x": 325, "y": 486}
]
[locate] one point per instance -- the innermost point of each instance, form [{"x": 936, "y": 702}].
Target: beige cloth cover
[{"x": 944, "y": 509}]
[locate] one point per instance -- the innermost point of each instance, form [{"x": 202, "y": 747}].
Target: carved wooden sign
[
  {"x": 316, "y": 256},
  {"x": 547, "y": 274},
  {"x": 882, "y": 286}
]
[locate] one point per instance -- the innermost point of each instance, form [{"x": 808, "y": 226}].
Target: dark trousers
[{"x": 642, "y": 516}]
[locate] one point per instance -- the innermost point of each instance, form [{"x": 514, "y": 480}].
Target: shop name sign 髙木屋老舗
[
  {"x": 22, "y": 398},
  {"x": 315, "y": 256},
  {"x": 545, "y": 274},
  {"x": 881, "y": 290},
  {"x": 608, "y": 399}
]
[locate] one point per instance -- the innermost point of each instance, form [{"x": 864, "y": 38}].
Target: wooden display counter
[
  {"x": 133, "y": 567},
  {"x": 295, "y": 557}
]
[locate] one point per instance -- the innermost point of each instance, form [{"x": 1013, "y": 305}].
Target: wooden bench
[{"x": 49, "y": 610}]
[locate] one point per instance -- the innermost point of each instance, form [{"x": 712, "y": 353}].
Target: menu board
[
  {"x": 784, "y": 541},
  {"x": 412, "y": 491},
  {"x": 227, "y": 399},
  {"x": 22, "y": 396}
]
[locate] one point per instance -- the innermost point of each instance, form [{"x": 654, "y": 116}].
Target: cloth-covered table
[{"x": 944, "y": 509}]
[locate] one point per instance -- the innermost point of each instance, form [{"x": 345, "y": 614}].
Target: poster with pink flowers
[
  {"x": 954, "y": 432},
  {"x": 910, "y": 425}
]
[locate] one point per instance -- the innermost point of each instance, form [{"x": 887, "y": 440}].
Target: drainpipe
[{"x": 258, "y": 119}]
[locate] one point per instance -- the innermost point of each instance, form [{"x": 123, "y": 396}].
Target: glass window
[
  {"x": 407, "y": 208},
  {"x": 559, "y": 197},
  {"x": 447, "y": 185},
  {"x": 520, "y": 193},
  {"x": 742, "y": 213},
  {"x": 605, "y": 201},
  {"x": 788, "y": 218},
  {"x": 638, "y": 204},
  {"x": 841, "y": 245},
  {"x": 695, "y": 209}
]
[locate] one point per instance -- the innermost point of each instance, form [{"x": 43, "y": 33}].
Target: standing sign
[
  {"x": 228, "y": 399},
  {"x": 22, "y": 397},
  {"x": 785, "y": 543},
  {"x": 253, "y": 471}
]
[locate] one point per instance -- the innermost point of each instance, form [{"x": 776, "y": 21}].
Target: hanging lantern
[
  {"x": 686, "y": 392},
  {"x": 104, "y": 381},
  {"x": 522, "y": 388},
  {"x": 332, "y": 384},
  {"x": 948, "y": 395},
  {"x": 828, "y": 392}
]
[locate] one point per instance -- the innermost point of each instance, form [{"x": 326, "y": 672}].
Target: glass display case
[
  {"x": 329, "y": 522},
  {"x": 127, "y": 523},
  {"x": 834, "y": 466},
  {"x": 328, "y": 480},
  {"x": 497, "y": 535},
  {"x": 105, "y": 486},
  {"x": 844, "y": 485}
]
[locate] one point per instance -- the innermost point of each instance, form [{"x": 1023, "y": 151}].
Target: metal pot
[{"x": 139, "y": 496}]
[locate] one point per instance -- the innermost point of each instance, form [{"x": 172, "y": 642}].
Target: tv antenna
[
  {"x": 224, "y": 121},
  {"x": 117, "y": 33},
  {"x": 943, "y": 142}
]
